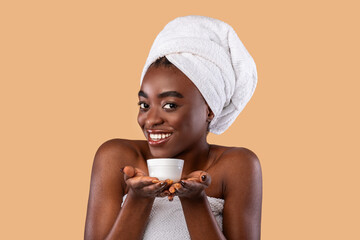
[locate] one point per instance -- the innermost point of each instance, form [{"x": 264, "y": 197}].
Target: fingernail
[
  {"x": 122, "y": 170},
  {"x": 203, "y": 178},
  {"x": 172, "y": 190},
  {"x": 177, "y": 186},
  {"x": 162, "y": 184},
  {"x": 182, "y": 183}
]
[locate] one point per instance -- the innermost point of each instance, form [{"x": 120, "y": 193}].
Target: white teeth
[{"x": 157, "y": 137}]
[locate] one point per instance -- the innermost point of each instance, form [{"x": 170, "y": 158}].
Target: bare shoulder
[
  {"x": 242, "y": 191},
  {"x": 240, "y": 158},
  {"x": 119, "y": 152},
  {"x": 240, "y": 169},
  {"x": 113, "y": 155},
  {"x": 107, "y": 186},
  {"x": 118, "y": 146}
]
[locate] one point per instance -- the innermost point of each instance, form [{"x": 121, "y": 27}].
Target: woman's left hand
[{"x": 192, "y": 186}]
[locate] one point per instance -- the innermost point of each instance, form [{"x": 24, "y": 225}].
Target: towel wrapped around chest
[{"x": 167, "y": 220}]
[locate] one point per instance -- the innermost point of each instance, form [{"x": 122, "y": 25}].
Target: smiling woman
[
  {"x": 188, "y": 89},
  {"x": 173, "y": 115}
]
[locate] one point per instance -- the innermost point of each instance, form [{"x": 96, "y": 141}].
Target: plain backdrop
[{"x": 70, "y": 71}]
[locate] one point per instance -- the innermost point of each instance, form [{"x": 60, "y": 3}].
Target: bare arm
[
  {"x": 243, "y": 196},
  {"x": 242, "y": 187},
  {"x": 105, "y": 217},
  {"x": 131, "y": 221}
]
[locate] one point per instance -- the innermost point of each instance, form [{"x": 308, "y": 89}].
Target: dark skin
[{"x": 171, "y": 104}]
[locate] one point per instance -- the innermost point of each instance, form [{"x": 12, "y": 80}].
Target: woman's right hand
[
  {"x": 142, "y": 185},
  {"x": 192, "y": 186}
]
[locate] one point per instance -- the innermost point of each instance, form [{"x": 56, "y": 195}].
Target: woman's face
[{"x": 173, "y": 114}]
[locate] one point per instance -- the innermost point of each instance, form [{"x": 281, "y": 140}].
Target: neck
[{"x": 195, "y": 158}]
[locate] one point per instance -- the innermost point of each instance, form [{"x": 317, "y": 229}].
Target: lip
[{"x": 159, "y": 142}]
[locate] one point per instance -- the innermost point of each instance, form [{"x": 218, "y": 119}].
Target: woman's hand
[
  {"x": 142, "y": 185},
  {"x": 192, "y": 186}
]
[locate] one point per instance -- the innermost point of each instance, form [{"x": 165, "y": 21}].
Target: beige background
[{"x": 70, "y": 72}]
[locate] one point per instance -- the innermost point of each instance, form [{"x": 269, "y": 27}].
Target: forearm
[
  {"x": 132, "y": 219},
  {"x": 200, "y": 221}
]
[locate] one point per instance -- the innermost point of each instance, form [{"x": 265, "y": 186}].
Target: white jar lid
[{"x": 165, "y": 162}]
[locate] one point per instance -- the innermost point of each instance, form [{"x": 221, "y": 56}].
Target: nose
[{"x": 153, "y": 118}]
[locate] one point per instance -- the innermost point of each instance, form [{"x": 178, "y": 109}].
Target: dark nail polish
[
  {"x": 203, "y": 178},
  {"x": 182, "y": 183},
  {"x": 163, "y": 184}
]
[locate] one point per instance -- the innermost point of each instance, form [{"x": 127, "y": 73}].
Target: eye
[
  {"x": 170, "y": 106},
  {"x": 143, "y": 106}
]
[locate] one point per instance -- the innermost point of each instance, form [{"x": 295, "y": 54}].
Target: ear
[{"x": 210, "y": 114}]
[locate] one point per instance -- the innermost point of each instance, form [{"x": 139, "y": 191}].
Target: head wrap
[{"x": 211, "y": 55}]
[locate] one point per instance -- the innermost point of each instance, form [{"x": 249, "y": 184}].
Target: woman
[{"x": 197, "y": 78}]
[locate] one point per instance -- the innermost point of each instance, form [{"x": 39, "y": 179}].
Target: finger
[
  {"x": 175, "y": 187},
  {"x": 189, "y": 185},
  {"x": 196, "y": 179},
  {"x": 194, "y": 174},
  {"x": 171, "y": 197},
  {"x": 205, "y": 178},
  {"x": 164, "y": 193},
  {"x": 155, "y": 188},
  {"x": 140, "y": 182},
  {"x": 169, "y": 182},
  {"x": 179, "y": 189},
  {"x": 139, "y": 172},
  {"x": 172, "y": 189},
  {"x": 129, "y": 172}
]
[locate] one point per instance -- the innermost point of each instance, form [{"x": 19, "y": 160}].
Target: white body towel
[{"x": 167, "y": 219}]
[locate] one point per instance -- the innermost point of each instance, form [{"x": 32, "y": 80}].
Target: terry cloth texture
[
  {"x": 209, "y": 52},
  {"x": 167, "y": 219}
]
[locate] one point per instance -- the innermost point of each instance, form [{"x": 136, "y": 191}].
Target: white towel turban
[{"x": 211, "y": 55}]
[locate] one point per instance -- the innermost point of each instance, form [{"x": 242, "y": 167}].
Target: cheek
[
  {"x": 141, "y": 119},
  {"x": 195, "y": 120}
]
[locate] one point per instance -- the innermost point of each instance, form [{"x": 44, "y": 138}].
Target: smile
[{"x": 157, "y": 138}]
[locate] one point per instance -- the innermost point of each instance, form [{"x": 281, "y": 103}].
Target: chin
[{"x": 161, "y": 153}]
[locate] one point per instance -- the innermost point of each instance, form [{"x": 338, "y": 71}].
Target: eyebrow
[
  {"x": 163, "y": 95},
  {"x": 142, "y": 94},
  {"x": 170, "y": 94}
]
